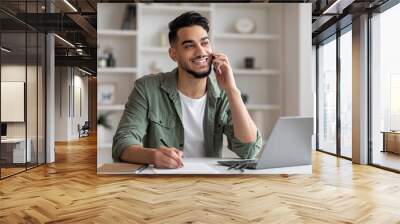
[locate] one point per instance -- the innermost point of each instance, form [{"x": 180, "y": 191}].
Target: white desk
[
  {"x": 19, "y": 149},
  {"x": 209, "y": 166}
]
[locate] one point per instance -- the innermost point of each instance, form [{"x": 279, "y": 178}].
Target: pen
[
  {"x": 233, "y": 166},
  {"x": 163, "y": 142},
  {"x": 166, "y": 145},
  {"x": 141, "y": 168}
]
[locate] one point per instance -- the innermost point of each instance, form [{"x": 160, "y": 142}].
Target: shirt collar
[{"x": 170, "y": 79}]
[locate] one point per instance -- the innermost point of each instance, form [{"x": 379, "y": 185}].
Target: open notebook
[
  {"x": 118, "y": 168},
  {"x": 189, "y": 168}
]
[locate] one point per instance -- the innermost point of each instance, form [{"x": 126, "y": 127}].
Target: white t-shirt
[{"x": 192, "y": 118}]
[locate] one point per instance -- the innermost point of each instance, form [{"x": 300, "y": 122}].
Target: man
[{"x": 185, "y": 112}]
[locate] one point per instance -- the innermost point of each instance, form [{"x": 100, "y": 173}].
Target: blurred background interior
[{"x": 266, "y": 63}]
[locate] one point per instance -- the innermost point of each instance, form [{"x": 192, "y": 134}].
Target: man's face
[{"x": 192, "y": 51}]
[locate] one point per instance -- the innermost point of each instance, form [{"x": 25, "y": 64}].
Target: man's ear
[{"x": 172, "y": 53}]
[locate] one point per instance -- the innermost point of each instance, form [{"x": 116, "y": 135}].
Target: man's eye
[
  {"x": 188, "y": 46},
  {"x": 205, "y": 43}
]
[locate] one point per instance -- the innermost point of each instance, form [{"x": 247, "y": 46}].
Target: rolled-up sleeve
[
  {"x": 243, "y": 150},
  {"x": 133, "y": 124}
]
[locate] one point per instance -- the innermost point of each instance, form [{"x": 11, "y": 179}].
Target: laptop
[{"x": 288, "y": 145}]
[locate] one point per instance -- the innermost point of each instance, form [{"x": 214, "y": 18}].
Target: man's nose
[{"x": 201, "y": 51}]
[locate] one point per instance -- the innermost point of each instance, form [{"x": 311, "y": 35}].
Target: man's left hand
[{"x": 223, "y": 72}]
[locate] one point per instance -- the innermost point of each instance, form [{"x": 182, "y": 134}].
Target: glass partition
[
  {"x": 327, "y": 96},
  {"x": 385, "y": 89},
  {"x": 22, "y": 87},
  {"x": 346, "y": 94},
  {"x": 14, "y": 153}
]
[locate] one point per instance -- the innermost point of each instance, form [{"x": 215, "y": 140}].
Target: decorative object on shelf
[
  {"x": 102, "y": 62},
  {"x": 163, "y": 39},
  {"x": 105, "y": 93},
  {"x": 245, "y": 25},
  {"x": 249, "y": 62},
  {"x": 129, "y": 22},
  {"x": 153, "y": 69},
  {"x": 245, "y": 98},
  {"x": 110, "y": 58}
]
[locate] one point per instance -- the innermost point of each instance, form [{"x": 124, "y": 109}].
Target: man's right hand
[{"x": 170, "y": 158}]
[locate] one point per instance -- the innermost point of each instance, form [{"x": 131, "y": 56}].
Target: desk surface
[
  {"x": 391, "y": 132},
  {"x": 209, "y": 166},
  {"x": 13, "y": 140}
]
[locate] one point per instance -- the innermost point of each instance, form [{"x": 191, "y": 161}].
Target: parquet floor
[{"x": 69, "y": 191}]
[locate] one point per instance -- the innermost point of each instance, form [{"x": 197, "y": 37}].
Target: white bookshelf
[
  {"x": 115, "y": 32},
  {"x": 123, "y": 44},
  {"x": 162, "y": 50},
  {"x": 114, "y": 107},
  {"x": 142, "y": 47},
  {"x": 174, "y": 8},
  {"x": 262, "y": 107},
  {"x": 114, "y": 70},
  {"x": 246, "y": 37},
  {"x": 256, "y": 72},
  {"x": 104, "y": 146}
]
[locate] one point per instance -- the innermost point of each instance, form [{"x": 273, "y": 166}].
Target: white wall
[
  {"x": 298, "y": 81},
  {"x": 33, "y": 126},
  {"x": 79, "y": 117},
  {"x": 69, "y": 85},
  {"x": 17, "y": 73}
]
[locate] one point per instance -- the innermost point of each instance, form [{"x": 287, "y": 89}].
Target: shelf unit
[
  {"x": 106, "y": 70},
  {"x": 174, "y": 7},
  {"x": 263, "y": 84},
  {"x": 123, "y": 45},
  {"x": 114, "y": 32},
  {"x": 262, "y": 107},
  {"x": 104, "y": 146},
  {"x": 236, "y": 36},
  {"x": 163, "y": 50},
  {"x": 256, "y": 72},
  {"x": 114, "y": 107}
]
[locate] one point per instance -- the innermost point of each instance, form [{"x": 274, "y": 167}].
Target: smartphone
[{"x": 212, "y": 59}]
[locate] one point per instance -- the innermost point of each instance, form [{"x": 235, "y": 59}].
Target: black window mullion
[
  {"x": 317, "y": 96},
  {"x": 369, "y": 89},
  {"x": 26, "y": 86},
  {"x": 338, "y": 90},
  {"x": 37, "y": 89}
]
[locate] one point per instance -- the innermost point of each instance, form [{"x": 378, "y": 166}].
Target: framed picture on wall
[
  {"x": 12, "y": 101},
  {"x": 105, "y": 93}
]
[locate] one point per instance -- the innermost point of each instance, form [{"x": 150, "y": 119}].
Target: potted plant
[{"x": 104, "y": 128}]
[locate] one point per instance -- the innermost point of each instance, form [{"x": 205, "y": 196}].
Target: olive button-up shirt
[{"x": 153, "y": 112}]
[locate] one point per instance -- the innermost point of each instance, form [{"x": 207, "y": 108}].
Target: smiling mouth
[{"x": 200, "y": 61}]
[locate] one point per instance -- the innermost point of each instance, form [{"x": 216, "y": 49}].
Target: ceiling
[{"x": 77, "y": 24}]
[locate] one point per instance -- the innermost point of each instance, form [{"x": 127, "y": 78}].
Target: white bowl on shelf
[{"x": 245, "y": 25}]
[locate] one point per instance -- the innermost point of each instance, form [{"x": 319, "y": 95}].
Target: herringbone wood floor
[{"x": 69, "y": 191}]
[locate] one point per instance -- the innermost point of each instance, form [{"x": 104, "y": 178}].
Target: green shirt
[{"x": 153, "y": 112}]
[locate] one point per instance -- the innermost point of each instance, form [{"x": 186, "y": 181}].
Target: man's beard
[{"x": 197, "y": 75}]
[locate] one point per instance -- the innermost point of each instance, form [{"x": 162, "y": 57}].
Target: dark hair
[{"x": 184, "y": 20}]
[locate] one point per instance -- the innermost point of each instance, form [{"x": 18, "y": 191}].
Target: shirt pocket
[{"x": 161, "y": 120}]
